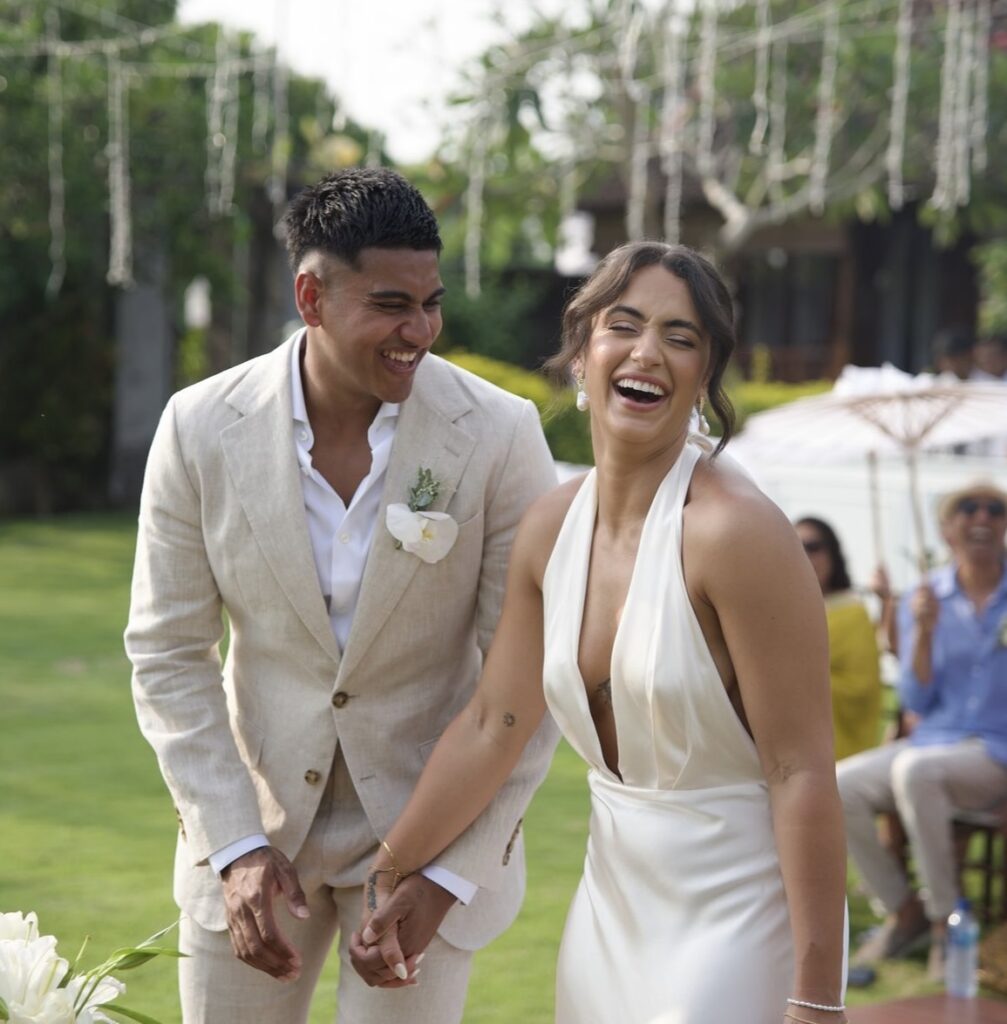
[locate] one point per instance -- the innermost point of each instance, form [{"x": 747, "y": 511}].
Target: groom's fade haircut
[{"x": 358, "y": 208}]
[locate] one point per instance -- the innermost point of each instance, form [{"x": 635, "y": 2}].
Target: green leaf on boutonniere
[{"x": 424, "y": 492}]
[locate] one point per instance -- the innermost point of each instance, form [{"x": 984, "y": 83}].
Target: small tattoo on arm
[
  {"x": 372, "y": 896},
  {"x": 603, "y": 694},
  {"x": 508, "y": 719}
]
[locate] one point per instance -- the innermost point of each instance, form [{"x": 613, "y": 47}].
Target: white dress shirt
[{"x": 340, "y": 539}]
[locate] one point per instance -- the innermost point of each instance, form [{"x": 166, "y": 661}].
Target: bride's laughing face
[{"x": 647, "y": 361}]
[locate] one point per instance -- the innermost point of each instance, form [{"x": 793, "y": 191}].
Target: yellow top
[{"x": 855, "y": 673}]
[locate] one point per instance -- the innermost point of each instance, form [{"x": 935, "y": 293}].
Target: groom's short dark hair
[{"x": 356, "y": 209}]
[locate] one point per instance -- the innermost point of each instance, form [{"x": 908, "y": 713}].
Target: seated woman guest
[{"x": 854, "y": 668}]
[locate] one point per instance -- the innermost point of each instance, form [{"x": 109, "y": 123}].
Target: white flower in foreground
[
  {"x": 17, "y": 926},
  {"x": 30, "y": 973},
  {"x": 428, "y": 535},
  {"x": 108, "y": 990}
]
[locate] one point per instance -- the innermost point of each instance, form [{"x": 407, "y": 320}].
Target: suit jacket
[{"x": 247, "y": 746}]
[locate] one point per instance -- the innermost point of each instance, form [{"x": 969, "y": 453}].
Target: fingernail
[
  {"x": 419, "y": 959},
  {"x": 400, "y": 972},
  {"x": 369, "y": 937},
  {"x": 416, "y": 973},
  {"x": 302, "y": 912}
]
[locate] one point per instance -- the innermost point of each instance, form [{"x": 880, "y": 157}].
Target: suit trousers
[
  {"x": 217, "y": 988},
  {"x": 925, "y": 785}
]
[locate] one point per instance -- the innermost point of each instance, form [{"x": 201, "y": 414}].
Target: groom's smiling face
[{"x": 370, "y": 325}]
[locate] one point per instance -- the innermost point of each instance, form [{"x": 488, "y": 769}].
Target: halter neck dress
[{"x": 680, "y": 916}]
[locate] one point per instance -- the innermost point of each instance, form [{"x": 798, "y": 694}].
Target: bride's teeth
[
  {"x": 402, "y": 357},
  {"x": 642, "y": 385}
]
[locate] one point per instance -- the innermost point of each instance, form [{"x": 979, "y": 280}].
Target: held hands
[
  {"x": 397, "y": 925},
  {"x": 250, "y": 885}
]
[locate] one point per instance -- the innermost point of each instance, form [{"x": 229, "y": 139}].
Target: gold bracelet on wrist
[{"x": 394, "y": 869}]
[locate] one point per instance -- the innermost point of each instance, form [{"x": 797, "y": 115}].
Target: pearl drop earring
[{"x": 582, "y": 400}]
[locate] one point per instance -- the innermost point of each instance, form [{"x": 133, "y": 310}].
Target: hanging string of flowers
[
  {"x": 57, "y": 183},
  {"x": 895, "y": 153},
  {"x": 120, "y": 260}
]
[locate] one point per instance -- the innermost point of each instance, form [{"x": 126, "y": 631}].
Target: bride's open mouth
[{"x": 640, "y": 391}]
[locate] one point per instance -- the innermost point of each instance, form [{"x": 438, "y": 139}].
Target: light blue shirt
[{"x": 967, "y": 695}]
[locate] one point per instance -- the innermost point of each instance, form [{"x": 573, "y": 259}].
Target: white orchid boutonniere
[{"x": 428, "y": 535}]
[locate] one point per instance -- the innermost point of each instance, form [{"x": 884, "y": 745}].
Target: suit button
[
  {"x": 340, "y": 699},
  {"x": 311, "y": 777}
]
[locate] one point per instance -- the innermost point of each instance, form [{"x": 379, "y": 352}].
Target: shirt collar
[
  {"x": 945, "y": 582},
  {"x": 386, "y": 416}
]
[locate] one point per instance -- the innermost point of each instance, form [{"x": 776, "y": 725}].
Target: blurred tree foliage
[
  {"x": 555, "y": 102},
  {"x": 57, "y": 352},
  {"x": 991, "y": 258}
]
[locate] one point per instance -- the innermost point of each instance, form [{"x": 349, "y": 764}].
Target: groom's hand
[
  {"x": 399, "y": 931},
  {"x": 251, "y": 883}
]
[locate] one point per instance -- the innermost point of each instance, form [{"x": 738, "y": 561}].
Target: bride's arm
[
  {"x": 482, "y": 745},
  {"x": 770, "y": 609}
]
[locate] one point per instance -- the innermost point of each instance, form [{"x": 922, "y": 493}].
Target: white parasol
[{"x": 872, "y": 412}]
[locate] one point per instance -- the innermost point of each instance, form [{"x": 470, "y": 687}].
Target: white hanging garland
[
  {"x": 707, "y": 84},
  {"x": 895, "y": 154},
  {"x": 760, "y": 97},
  {"x": 672, "y": 127},
  {"x": 943, "y": 197},
  {"x": 825, "y": 114},
  {"x": 120, "y": 260},
  {"x": 57, "y": 182},
  {"x": 778, "y": 123},
  {"x": 636, "y": 208},
  {"x": 231, "y": 112},
  {"x": 980, "y": 102},
  {"x": 963, "y": 107}
]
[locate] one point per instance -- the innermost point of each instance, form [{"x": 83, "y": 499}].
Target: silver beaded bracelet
[{"x": 817, "y": 1006}]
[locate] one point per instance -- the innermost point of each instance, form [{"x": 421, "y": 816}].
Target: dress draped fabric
[{"x": 680, "y": 916}]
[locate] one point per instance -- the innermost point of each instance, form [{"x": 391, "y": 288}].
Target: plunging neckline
[{"x": 592, "y": 480}]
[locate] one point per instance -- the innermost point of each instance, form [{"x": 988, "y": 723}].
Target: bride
[{"x": 661, "y": 608}]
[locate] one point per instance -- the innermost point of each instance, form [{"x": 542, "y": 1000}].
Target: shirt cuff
[
  {"x": 462, "y": 889},
  {"x": 230, "y": 853}
]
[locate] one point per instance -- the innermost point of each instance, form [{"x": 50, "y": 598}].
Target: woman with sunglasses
[{"x": 854, "y": 669}]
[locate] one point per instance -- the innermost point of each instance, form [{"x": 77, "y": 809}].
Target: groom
[{"x": 348, "y": 650}]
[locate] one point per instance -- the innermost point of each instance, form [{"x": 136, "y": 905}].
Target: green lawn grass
[{"x": 86, "y": 827}]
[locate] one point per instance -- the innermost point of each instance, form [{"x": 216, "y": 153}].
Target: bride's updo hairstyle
[{"x": 706, "y": 288}]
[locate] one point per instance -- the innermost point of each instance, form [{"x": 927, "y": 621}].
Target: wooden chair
[{"x": 983, "y": 832}]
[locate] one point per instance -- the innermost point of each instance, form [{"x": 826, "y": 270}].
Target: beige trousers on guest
[
  {"x": 217, "y": 988},
  {"x": 926, "y": 785}
]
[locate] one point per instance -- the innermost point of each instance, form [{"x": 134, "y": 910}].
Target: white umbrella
[{"x": 872, "y": 412}]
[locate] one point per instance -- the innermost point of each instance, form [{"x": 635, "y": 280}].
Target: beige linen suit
[{"x": 248, "y": 746}]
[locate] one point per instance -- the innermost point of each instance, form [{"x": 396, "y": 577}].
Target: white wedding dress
[{"x": 680, "y": 916}]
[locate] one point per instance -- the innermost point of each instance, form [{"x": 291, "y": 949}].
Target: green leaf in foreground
[
  {"x": 125, "y": 1011},
  {"x": 4, "y": 1012}
]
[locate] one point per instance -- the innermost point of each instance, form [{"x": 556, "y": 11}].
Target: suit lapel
[
  {"x": 425, "y": 436},
  {"x": 259, "y": 451}
]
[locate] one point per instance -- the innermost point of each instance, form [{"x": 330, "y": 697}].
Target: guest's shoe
[{"x": 892, "y": 941}]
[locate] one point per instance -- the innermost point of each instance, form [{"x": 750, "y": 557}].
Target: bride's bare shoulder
[{"x": 725, "y": 506}]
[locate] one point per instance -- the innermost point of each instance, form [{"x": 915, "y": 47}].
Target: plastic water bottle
[{"x": 962, "y": 960}]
